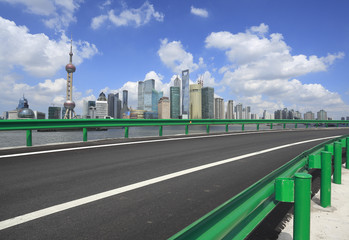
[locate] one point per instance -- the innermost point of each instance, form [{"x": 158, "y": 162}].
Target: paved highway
[{"x": 135, "y": 188}]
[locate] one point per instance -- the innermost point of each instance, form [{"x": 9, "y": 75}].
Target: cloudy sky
[{"x": 268, "y": 54}]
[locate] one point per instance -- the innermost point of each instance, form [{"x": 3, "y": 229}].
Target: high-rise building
[
  {"x": 111, "y": 101},
  {"x": 140, "y": 95},
  {"x": 185, "y": 94},
  {"x": 267, "y": 115},
  {"x": 101, "y": 106},
  {"x": 309, "y": 115},
  {"x": 238, "y": 110},
  {"x": 69, "y": 104},
  {"x": 164, "y": 108},
  {"x": 278, "y": 114},
  {"x": 22, "y": 103},
  {"x": 149, "y": 86},
  {"x": 117, "y": 107},
  {"x": 219, "y": 108},
  {"x": 230, "y": 109},
  {"x": 322, "y": 115},
  {"x": 195, "y": 109},
  {"x": 248, "y": 112},
  {"x": 155, "y": 100},
  {"x": 125, "y": 99},
  {"x": 175, "y": 102},
  {"x": 125, "y": 109},
  {"x": 284, "y": 114},
  {"x": 177, "y": 82},
  {"x": 207, "y": 94},
  {"x": 54, "y": 112}
]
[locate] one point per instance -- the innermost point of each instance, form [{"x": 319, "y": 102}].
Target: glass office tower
[{"x": 185, "y": 94}]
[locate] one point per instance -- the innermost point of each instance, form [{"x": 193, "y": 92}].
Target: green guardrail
[
  {"x": 237, "y": 218},
  {"x": 85, "y": 124}
]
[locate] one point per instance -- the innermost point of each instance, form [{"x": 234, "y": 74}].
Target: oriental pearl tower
[{"x": 69, "y": 104}]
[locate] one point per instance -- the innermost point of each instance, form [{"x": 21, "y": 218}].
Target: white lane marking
[
  {"x": 127, "y": 143},
  {"x": 78, "y": 202}
]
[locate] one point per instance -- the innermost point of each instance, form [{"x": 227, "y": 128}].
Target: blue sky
[{"x": 268, "y": 54}]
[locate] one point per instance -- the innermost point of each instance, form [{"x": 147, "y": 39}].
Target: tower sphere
[
  {"x": 69, "y": 105},
  {"x": 70, "y": 68}
]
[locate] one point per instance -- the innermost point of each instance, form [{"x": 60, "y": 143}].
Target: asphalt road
[{"x": 29, "y": 183}]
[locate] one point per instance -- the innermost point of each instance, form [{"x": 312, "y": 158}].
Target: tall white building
[
  {"x": 309, "y": 116},
  {"x": 230, "y": 109},
  {"x": 218, "y": 108},
  {"x": 322, "y": 115},
  {"x": 101, "y": 106}
]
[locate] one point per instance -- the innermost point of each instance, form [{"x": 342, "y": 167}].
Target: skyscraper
[
  {"x": 230, "y": 109},
  {"x": 149, "y": 85},
  {"x": 248, "y": 112},
  {"x": 175, "y": 102},
  {"x": 69, "y": 104},
  {"x": 111, "y": 97},
  {"x": 185, "y": 94},
  {"x": 207, "y": 94},
  {"x": 101, "y": 106},
  {"x": 309, "y": 116},
  {"x": 117, "y": 106},
  {"x": 54, "y": 113},
  {"x": 219, "y": 108},
  {"x": 125, "y": 99},
  {"x": 155, "y": 100},
  {"x": 140, "y": 95},
  {"x": 164, "y": 108},
  {"x": 238, "y": 110},
  {"x": 195, "y": 101},
  {"x": 177, "y": 82},
  {"x": 322, "y": 115}
]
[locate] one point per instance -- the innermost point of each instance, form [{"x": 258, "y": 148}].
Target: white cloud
[
  {"x": 58, "y": 14},
  {"x": 173, "y": 55},
  {"x": 98, "y": 21},
  {"x": 36, "y": 54},
  {"x": 129, "y": 17},
  {"x": 263, "y": 70},
  {"x": 199, "y": 12},
  {"x": 267, "y": 58}
]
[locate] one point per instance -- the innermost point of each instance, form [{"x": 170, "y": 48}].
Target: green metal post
[
  {"x": 242, "y": 127},
  {"x": 295, "y": 125},
  {"x": 337, "y": 173},
  {"x": 186, "y": 129},
  {"x": 207, "y": 128},
  {"x": 337, "y": 124},
  {"x": 126, "y": 132},
  {"x": 329, "y": 148},
  {"x": 316, "y": 125},
  {"x": 257, "y": 126},
  {"x": 29, "y": 138},
  {"x": 347, "y": 160},
  {"x": 301, "y": 225},
  {"x": 284, "y": 125},
  {"x": 326, "y": 170},
  {"x": 226, "y": 128},
  {"x": 160, "y": 131},
  {"x": 271, "y": 125},
  {"x": 84, "y": 134},
  {"x": 326, "y": 124}
]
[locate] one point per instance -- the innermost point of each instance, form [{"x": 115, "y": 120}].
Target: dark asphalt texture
[{"x": 31, "y": 183}]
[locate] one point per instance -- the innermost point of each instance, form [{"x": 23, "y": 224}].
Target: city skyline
[{"x": 263, "y": 57}]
